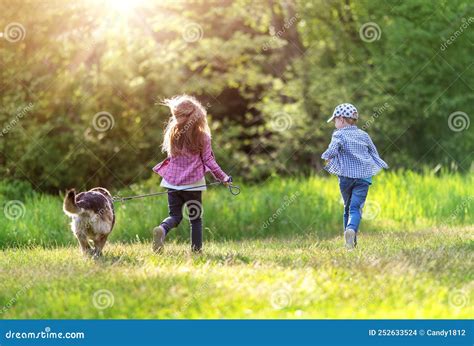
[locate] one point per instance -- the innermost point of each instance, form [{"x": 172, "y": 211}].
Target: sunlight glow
[{"x": 123, "y": 6}]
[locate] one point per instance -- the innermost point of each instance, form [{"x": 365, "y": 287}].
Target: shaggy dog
[{"x": 93, "y": 218}]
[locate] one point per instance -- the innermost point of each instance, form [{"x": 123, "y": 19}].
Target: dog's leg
[
  {"x": 99, "y": 244},
  {"x": 79, "y": 229},
  {"x": 85, "y": 246}
]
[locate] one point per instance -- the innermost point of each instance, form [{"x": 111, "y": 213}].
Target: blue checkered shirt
[{"x": 352, "y": 154}]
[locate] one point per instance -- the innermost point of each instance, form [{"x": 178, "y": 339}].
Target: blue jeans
[
  {"x": 354, "y": 192},
  {"x": 176, "y": 201}
]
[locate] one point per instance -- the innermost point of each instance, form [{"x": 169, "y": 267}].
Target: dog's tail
[{"x": 69, "y": 205}]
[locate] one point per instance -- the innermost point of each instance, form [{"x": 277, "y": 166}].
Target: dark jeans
[
  {"x": 176, "y": 202},
  {"x": 354, "y": 192}
]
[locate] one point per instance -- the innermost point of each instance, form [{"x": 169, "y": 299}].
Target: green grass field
[{"x": 275, "y": 251}]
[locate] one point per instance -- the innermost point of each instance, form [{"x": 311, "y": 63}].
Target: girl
[
  {"x": 187, "y": 141},
  {"x": 353, "y": 157}
]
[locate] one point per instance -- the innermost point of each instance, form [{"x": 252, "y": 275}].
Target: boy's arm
[
  {"x": 374, "y": 153},
  {"x": 210, "y": 162},
  {"x": 333, "y": 148}
]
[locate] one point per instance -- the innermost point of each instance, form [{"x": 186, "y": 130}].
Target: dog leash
[{"x": 233, "y": 189}]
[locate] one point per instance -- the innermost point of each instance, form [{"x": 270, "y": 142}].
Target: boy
[{"x": 351, "y": 156}]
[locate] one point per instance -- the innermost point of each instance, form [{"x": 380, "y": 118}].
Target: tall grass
[{"x": 288, "y": 207}]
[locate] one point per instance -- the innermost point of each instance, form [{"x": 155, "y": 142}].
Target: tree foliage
[{"x": 270, "y": 73}]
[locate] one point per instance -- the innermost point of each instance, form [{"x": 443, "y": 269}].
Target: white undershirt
[{"x": 167, "y": 185}]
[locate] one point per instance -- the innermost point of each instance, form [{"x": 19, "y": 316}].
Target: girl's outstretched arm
[{"x": 210, "y": 162}]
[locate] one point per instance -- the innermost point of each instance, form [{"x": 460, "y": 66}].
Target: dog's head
[{"x": 103, "y": 191}]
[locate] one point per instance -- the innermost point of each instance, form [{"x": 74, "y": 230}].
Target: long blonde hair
[{"x": 187, "y": 127}]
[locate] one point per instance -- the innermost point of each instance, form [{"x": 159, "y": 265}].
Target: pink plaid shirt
[{"x": 189, "y": 168}]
